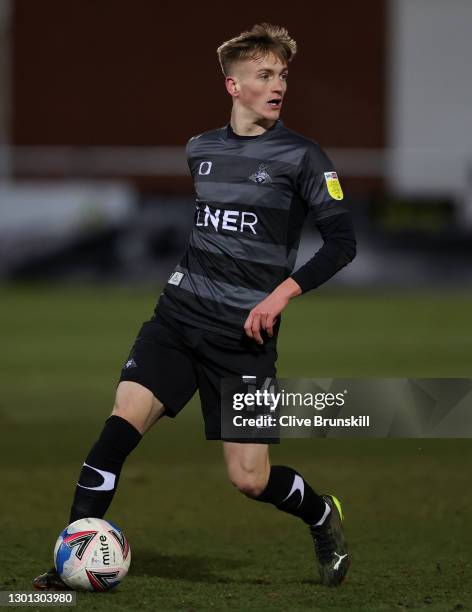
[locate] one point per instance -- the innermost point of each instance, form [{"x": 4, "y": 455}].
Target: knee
[
  {"x": 137, "y": 405},
  {"x": 124, "y": 407},
  {"x": 249, "y": 482}
]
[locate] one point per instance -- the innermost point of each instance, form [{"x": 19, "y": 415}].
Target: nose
[{"x": 279, "y": 86}]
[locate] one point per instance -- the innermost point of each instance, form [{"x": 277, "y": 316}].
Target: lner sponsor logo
[{"x": 232, "y": 220}]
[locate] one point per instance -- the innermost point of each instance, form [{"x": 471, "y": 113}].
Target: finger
[
  {"x": 256, "y": 327},
  {"x": 270, "y": 325},
  {"x": 248, "y": 325}
]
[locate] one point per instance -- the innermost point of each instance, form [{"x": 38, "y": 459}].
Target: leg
[
  {"x": 137, "y": 405},
  {"x": 136, "y": 410},
  {"x": 159, "y": 366},
  {"x": 248, "y": 467},
  {"x": 158, "y": 356},
  {"x": 250, "y": 471}
]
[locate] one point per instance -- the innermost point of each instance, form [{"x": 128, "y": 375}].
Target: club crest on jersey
[
  {"x": 261, "y": 175},
  {"x": 333, "y": 185}
]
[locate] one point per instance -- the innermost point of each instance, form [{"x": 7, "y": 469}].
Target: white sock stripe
[
  {"x": 108, "y": 483},
  {"x": 323, "y": 518},
  {"x": 298, "y": 485}
]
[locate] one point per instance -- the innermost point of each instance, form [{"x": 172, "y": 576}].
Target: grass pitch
[{"x": 197, "y": 544}]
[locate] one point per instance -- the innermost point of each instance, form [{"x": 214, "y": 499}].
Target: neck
[{"x": 245, "y": 125}]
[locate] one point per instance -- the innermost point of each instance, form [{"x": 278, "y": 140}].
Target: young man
[{"x": 218, "y": 316}]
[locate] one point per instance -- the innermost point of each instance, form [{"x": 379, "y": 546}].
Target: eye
[
  {"x": 264, "y": 76},
  {"x": 284, "y": 76}
]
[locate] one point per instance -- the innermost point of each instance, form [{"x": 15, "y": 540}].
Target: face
[{"x": 259, "y": 86}]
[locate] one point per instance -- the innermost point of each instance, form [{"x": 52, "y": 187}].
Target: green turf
[{"x": 197, "y": 544}]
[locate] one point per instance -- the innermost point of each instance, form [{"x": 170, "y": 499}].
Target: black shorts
[{"x": 173, "y": 360}]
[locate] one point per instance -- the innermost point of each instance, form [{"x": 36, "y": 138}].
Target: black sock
[
  {"x": 289, "y": 492},
  {"x": 102, "y": 468}
]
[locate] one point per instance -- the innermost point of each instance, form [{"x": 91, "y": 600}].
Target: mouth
[{"x": 275, "y": 102}]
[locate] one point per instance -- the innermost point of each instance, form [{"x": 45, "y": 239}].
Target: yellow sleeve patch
[{"x": 333, "y": 185}]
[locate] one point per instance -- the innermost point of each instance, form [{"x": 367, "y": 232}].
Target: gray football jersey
[{"x": 252, "y": 198}]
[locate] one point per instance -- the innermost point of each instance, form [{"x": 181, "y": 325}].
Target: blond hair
[{"x": 262, "y": 39}]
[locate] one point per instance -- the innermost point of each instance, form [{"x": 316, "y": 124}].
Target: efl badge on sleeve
[{"x": 333, "y": 185}]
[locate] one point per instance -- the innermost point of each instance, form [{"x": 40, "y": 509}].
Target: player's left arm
[
  {"x": 339, "y": 248},
  {"x": 264, "y": 314},
  {"x": 319, "y": 187}
]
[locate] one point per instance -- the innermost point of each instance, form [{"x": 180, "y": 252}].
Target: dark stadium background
[{"x": 97, "y": 101}]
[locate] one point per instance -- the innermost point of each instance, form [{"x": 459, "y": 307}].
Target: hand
[{"x": 264, "y": 314}]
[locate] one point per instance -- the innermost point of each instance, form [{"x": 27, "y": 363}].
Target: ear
[{"x": 232, "y": 86}]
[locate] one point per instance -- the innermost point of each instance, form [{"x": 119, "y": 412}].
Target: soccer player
[{"x": 255, "y": 181}]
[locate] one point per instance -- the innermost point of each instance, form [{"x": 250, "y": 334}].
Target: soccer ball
[{"x": 92, "y": 554}]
